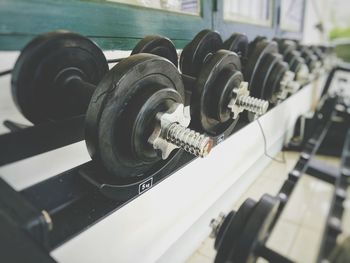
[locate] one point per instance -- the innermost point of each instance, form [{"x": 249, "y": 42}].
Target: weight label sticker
[
  {"x": 220, "y": 139},
  {"x": 145, "y": 185}
]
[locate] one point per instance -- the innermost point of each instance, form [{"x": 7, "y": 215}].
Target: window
[
  {"x": 291, "y": 15},
  {"x": 191, "y": 7},
  {"x": 249, "y": 11}
]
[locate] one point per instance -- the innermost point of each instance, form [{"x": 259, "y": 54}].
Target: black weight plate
[
  {"x": 195, "y": 53},
  {"x": 140, "y": 119},
  {"x": 309, "y": 57},
  {"x": 290, "y": 57},
  {"x": 297, "y": 63},
  {"x": 256, "y": 230},
  {"x": 294, "y": 64},
  {"x": 157, "y": 45},
  {"x": 285, "y": 46},
  {"x": 230, "y": 232},
  {"x": 113, "y": 118},
  {"x": 221, "y": 94},
  {"x": 274, "y": 80},
  {"x": 253, "y": 44},
  {"x": 222, "y": 230},
  {"x": 33, "y": 78},
  {"x": 257, "y": 39},
  {"x": 318, "y": 52},
  {"x": 259, "y": 87},
  {"x": 205, "y": 88},
  {"x": 237, "y": 43},
  {"x": 256, "y": 51},
  {"x": 311, "y": 64}
]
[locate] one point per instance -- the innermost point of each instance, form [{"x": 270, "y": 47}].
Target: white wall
[
  {"x": 314, "y": 14},
  {"x": 330, "y": 12}
]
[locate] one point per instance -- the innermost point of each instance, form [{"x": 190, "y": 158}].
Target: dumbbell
[
  {"x": 240, "y": 236},
  {"x": 263, "y": 68},
  {"x": 57, "y": 73},
  {"x": 134, "y": 120},
  {"x": 136, "y": 117},
  {"x": 329, "y": 56},
  {"x": 319, "y": 53},
  {"x": 214, "y": 84},
  {"x": 320, "y": 58},
  {"x": 292, "y": 56},
  {"x": 157, "y": 45},
  {"x": 326, "y": 50},
  {"x": 238, "y": 43},
  {"x": 268, "y": 75},
  {"x": 310, "y": 58}
]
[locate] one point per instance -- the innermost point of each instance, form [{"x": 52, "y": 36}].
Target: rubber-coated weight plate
[
  {"x": 257, "y": 51},
  {"x": 34, "y": 76},
  {"x": 122, "y": 112},
  {"x": 318, "y": 53},
  {"x": 237, "y": 43},
  {"x": 309, "y": 57},
  {"x": 222, "y": 230},
  {"x": 221, "y": 94},
  {"x": 256, "y": 229},
  {"x": 264, "y": 81},
  {"x": 290, "y": 57},
  {"x": 259, "y": 87},
  {"x": 275, "y": 79},
  {"x": 205, "y": 88},
  {"x": 259, "y": 38},
  {"x": 195, "y": 53},
  {"x": 230, "y": 232},
  {"x": 140, "y": 119},
  {"x": 157, "y": 45},
  {"x": 296, "y": 64},
  {"x": 285, "y": 46},
  {"x": 273, "y": 82}
]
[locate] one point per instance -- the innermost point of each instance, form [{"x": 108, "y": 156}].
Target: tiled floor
[{"x": 298, "y": 232}]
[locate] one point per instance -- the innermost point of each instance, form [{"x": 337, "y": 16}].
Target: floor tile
[
  {"x": 319, "y": 205},
  {"x": 330, "y": 160},
  {"x": 207, "y": 248},
  {"x": 306, "y": 246},
  {"x": 261, "y": 186},
  {"x": 283, "y": 236},
  {"x": 199, "y": 258},
  {"x": 346, "y": 215},
  {"x": 262, "y": 260}
]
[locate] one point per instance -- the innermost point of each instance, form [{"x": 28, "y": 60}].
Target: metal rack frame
[{"x": 306, "y": 164}]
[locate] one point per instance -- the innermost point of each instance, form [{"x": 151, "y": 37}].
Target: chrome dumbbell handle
[
  {"x": 189, "y": 140},
  {"x": 252, "y": 104},
  {"x": 171, "y": 132},
  {"x": 242, "y": 101}
]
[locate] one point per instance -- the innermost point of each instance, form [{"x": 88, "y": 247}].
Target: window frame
[
  {"x": 285, "y": 33},
  {"x": 111, "y": 25},
  {"x": 228, "y": 27}
]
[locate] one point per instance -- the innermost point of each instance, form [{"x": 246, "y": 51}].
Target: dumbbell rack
[
  {"x": 81, "y": 183},
  {"x": 337, "y": 177},
  {"x": 69, "y": 187},
  {"x": 34, "y": 140},
  {"x": 340, "y": 180}
]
